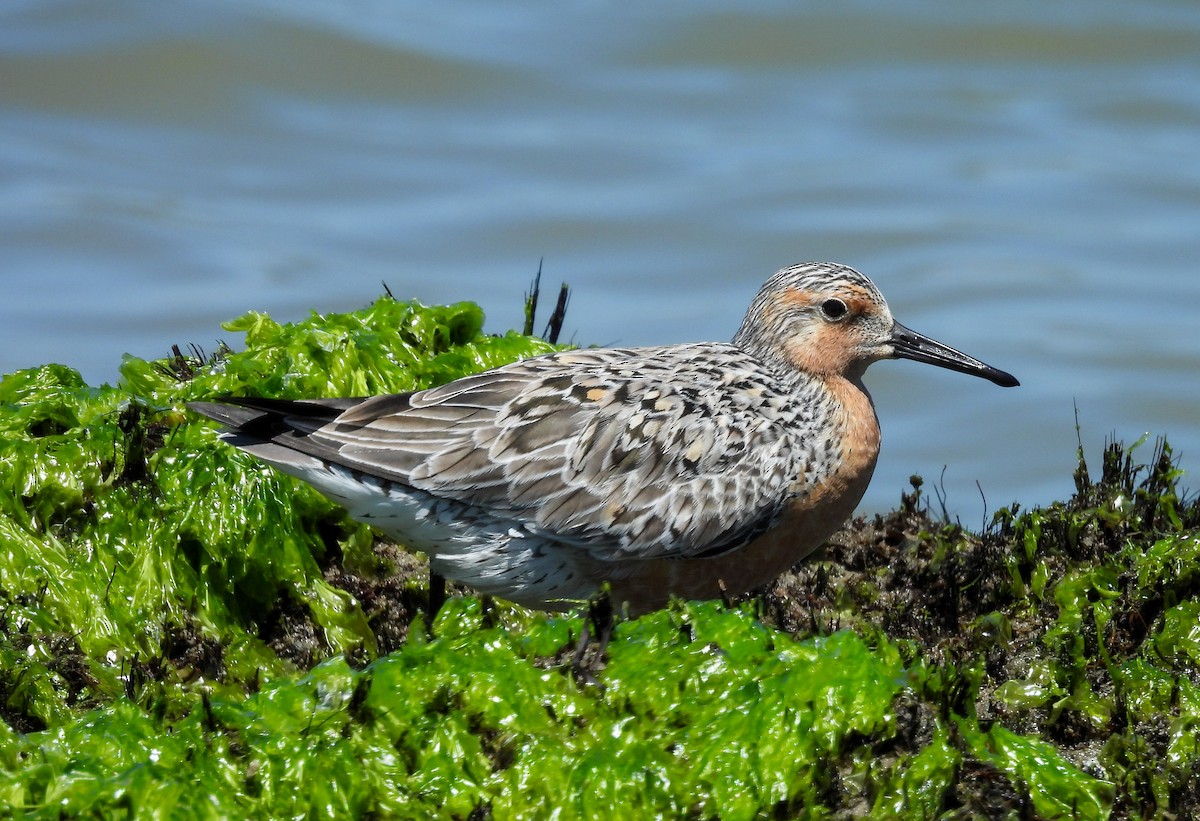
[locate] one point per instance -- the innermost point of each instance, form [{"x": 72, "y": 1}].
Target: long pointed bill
[{"x": 909, "y": 344}]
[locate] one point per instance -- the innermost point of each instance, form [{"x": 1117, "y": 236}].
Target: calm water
[{"x": 1022, "y": 181}]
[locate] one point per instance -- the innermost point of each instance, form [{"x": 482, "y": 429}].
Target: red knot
[{"x": 682, "y": 470}]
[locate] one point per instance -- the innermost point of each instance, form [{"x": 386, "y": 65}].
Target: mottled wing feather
[{"x": 621, "y": 452}]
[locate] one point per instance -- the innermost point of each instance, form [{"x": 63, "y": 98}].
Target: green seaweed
[
  {"x": 124, "y": 522},
  {"x": 918, "y": 787},
  {"x": 465, "y": 720},
  {"x": 1058, "y": 789}
]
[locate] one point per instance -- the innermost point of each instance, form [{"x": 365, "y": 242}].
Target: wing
[{"x": 679, "y": 451}]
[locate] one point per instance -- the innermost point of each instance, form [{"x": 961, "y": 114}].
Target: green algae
[
  {"x": 421, "y": 731},
  {"x": 121, "y": 522},
  {"x": 190, "y": 634},
  {"x": 1057, "y": 788},
  {"x": 919, "y": 786}
]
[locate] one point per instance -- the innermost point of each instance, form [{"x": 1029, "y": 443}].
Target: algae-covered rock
[{"x": 188, "y": 633}]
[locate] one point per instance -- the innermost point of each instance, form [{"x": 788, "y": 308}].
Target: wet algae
[{"x": 187, "y": 633}]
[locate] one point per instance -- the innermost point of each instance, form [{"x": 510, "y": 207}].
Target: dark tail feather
[
  {"x": 230, "y": 416},
  {"x": 265, "y": 418}
]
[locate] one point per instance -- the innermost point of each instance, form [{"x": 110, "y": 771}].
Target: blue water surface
[{"x": 1022, "y": 181}]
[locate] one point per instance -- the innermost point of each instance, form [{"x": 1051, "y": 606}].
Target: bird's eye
[{"x": 834, "y": 309}]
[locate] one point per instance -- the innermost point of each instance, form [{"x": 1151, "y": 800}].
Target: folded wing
[{"x": 619, "y": 452}]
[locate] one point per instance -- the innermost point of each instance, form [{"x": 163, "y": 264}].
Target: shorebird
[{"x": 695, "y": 470}]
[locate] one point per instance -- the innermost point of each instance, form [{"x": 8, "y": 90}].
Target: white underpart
[{"x": 493, "y": 555}]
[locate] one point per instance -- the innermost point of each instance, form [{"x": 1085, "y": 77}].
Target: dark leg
[
  {"x": 487, "y": 606},
  {"x": 599, "y": 622},
  {"x": 437, "y": 595}
]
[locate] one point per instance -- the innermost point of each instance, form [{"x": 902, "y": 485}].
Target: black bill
[{"x": 909, "y": 344}]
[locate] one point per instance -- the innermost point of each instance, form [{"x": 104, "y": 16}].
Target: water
[{"x": 1022, "y": 181}]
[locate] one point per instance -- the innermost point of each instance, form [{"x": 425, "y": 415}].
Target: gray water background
[{"x": 1022, "y": 180}]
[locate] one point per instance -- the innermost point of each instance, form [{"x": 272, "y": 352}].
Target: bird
[{"x": 697, "y": 471}]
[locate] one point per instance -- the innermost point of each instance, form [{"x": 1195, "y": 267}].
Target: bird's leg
[
  {"x": 600, "y": 620},
  {"x": 437, "y": 594},
  {"x": 603, "y": 619},
  {"x": 726, "y": 599},
  {"x": 487, "y": 606}
]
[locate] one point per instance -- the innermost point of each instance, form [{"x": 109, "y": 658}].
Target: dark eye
[{"x": 834, "y": 309}]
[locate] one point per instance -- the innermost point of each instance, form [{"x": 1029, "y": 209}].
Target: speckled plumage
[{"x": 671, "y": 470}]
